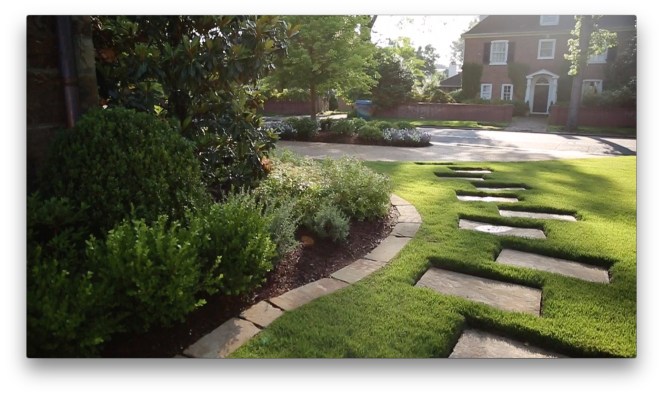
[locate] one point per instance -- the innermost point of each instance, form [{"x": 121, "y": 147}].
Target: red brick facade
[
  {"x": 451, "y": 112},
  {"x": 523, "y": 34}
]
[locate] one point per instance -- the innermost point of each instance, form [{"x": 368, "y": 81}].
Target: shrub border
[{"x": 232, "y": 334}]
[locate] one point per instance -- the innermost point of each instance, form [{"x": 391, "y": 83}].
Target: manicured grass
[
  {"x": 385, "y": 316},
  {"x": 598, "y": 131},
  {"x": 489, "y": 126}
]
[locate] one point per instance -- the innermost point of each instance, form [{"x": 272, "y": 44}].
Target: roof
[
  {"x": 502, "y": 24},
  {"x": 455, "y": 81}
]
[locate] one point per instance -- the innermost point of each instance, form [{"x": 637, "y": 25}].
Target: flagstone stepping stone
[
  {"x": 497, "y": 189},
  {"x": 309, "y": 292},
  {"x": 223, "y": 340},
  {"x": 261, "y": 314},
  {"x": 498, "y": 294},
  {"x": 536, "y": 215},
  {"x": 396, "y": 200},
  {"x": 485, "y": 198},
  {"x": 405, "y": 229},
  {"x": 501, "y": 230},
  {"x": 480, "y": 344},
  {"x": 452, "y": 177},
  {"x": 570, "y": 268},
  {"x": 387, "y": 249},
  {"x": 408, "y": 214},
  {"x": 357, "y": 270},
  {"x": 477, "y": 171}
]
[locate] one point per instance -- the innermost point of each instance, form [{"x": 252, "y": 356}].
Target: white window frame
[
  {"x": 510, "y": 86},
  {"x": 489, "y": 91},
  {"x": 598, "y": 84},
  {"x": 493, "y": 53},
  {"x": 541, "y": 42},
  {"x": 549, "y": 20},
  {"x": 598, "y": 58}
]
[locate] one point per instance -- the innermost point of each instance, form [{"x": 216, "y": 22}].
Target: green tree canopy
[
  {"x": 395, "y": 82},
  {"x": 327, "y": 53}
]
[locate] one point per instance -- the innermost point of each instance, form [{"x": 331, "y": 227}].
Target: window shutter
[
  {"x": 612, "y": 54},
  {"x": 486, "y": 53},
  {"x": 512, "y": 51}
]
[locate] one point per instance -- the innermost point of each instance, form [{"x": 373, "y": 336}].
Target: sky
[{"x": 438, "y": 30}]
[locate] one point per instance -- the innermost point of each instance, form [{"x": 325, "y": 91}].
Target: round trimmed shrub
[
  {"x": 330, "y": 222},
  {"x": 358, "y": 123},
  {"x": 117, "y": 161},
  {"x": 305, "y": 127},
  {"x": 343, "y": 127},
  {"x": 370, "y": 133}
]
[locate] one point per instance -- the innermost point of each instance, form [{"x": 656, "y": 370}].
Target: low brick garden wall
[
  {"x": 450, "y": 112},
  {"x": 595, "y": 117}
]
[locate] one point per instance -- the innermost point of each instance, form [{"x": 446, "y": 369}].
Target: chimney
[{"x": 453, "y": 69}]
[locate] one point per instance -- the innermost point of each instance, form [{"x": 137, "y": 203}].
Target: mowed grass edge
[{"x": 385, "y": 316}]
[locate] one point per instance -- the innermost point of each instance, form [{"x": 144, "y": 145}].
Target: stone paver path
[
  {"x": 498, "y": 189},
  {"x": 501, "y": 230},
  {"x": 232, "y": 334},
  {"x": 476, "y": 171},
  {"x": 501, "y": 295},
  {"x": 550, "y": 264},
  {"x": 452, "y": 177},
  {"x": 536, "y": 215},
  {"x": 479, "y": 198},
  {"x": 479, "y": 344}
]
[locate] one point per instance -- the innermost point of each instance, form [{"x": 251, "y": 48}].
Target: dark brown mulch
[{"x": 303, "y": 265}]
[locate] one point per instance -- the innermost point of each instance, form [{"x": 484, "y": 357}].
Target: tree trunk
[
  {"x": 576, "y": 86},
  {"x": 314, "y": 101}
]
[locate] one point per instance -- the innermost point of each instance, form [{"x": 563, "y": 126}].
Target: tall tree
[
  {"x": 395, "y": 82},
  {"x": 587, "y": 40},
  {"x": 458, "y": 46},
  {"x": 429, "y": 56},
  {"x": 328, "y": 53}
]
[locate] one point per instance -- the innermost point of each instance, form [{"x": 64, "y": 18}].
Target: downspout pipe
[{"x": 68, "y": 69}]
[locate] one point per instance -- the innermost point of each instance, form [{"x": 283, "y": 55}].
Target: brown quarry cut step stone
[
  {"x": 535, "y": 215},
  {"x": 502, "y": 295},
  {"x": 309, "y": 292},
  {"x": 396, "y": 200},
  {"x": 387, "y": 249},
  {"x": 262, "y": 314},
  {"x": 501, "y": 230},
  {"x": 357, "y": 270},
  {"x": 408, "y": 214},
  {"x": 223, "y": 340},
  {"x": 405, "y": 229},
  {"x": 479, "y": 344},
  {"x": 485, "y": 199},
  {"x": 550, "y": 264}
]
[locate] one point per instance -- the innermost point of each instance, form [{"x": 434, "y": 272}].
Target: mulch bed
[
  {"x": 304, "y": 265},
  {"x": 333, "y": 137}
]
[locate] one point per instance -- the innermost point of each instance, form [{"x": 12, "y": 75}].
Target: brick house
[{"x": 532, "y": 47}]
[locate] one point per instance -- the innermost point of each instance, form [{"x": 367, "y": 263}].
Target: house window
[
  {"x": 549, "y": 20},
  {"x": 547, "y": 49},
  {"x": 498, "y": 52},
  {"x": 507, "y": 91},
  {"x": 590, "y": 87},
  {"x": 486, "y": 91},
  {"x": 598, "y": 58}
]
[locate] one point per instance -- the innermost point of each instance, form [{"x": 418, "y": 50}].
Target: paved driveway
[{"x": 472, "y": 145}]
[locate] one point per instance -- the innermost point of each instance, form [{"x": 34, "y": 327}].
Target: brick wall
[
  {"x": 450, "y": 112},
  {"x": 292, "y": 107},
  {"x": 526, "y": 52},
  {"x": 595, "y": 117}
]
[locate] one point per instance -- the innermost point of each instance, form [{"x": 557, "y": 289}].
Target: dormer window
[{"x": 549, "y": 20}]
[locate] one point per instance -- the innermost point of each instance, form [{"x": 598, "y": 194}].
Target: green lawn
[
  {"x": 385, "y": 316},
  {"x": 489, "y": 126}
]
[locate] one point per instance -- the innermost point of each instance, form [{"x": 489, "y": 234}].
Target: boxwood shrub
[{"x": 118, "y": 160}]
